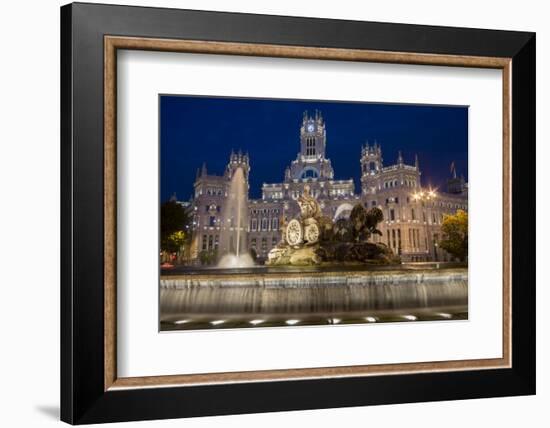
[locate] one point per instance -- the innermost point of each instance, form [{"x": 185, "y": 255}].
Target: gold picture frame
[{"x": 114, "y": 43}]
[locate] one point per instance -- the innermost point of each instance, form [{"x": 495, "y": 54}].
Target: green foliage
[
  {"x": 455, "y": 234},
  {"x": 175, "y": 241},
  {"x": 208, "y": 257},
  {"x": 173, "y": 223}
]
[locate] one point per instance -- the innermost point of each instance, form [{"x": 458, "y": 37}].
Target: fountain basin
[{"x": 313, "y": 297}]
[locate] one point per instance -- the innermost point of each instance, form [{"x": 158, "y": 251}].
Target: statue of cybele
[
  {"x": 309, "y": 207},
  {"x": 313, "y": 238},
  {"x": 304, "y": 230}
]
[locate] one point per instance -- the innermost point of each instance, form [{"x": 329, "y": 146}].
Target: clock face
[{"x": 310, "y": 127}]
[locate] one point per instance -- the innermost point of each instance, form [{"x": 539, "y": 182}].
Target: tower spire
[
  {"x": 453, "y": 169},
  {"x": 416, "y": 164},
  {"x": 399, "y": 158}
]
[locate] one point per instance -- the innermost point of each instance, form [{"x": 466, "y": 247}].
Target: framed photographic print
[{"x": 316, "y": 212}]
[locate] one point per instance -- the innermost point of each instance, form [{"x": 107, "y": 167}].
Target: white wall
[{"x": 29, "y": 230}]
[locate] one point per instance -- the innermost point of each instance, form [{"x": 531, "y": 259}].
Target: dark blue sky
[{"x": 205, "y": 129}]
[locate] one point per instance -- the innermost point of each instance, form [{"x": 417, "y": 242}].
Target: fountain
[
  {"x": 233, "y": 242},
  {"x": 314, "y": 239},
  {"x": 322, "y": 272},
  {"x": 317, "y": 297}
]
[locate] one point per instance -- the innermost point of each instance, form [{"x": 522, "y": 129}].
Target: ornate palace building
[{"x": 412, "y": 214}]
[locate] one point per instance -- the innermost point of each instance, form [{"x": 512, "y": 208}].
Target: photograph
[{"x": 281, "y": 213}]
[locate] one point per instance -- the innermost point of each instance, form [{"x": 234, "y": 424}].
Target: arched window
[
  {"x": 275, "y": 224},
  {"x": 310, "y": 173},
  {"x": 372, "y": 166},
  {"x": 264, "y": 224}
]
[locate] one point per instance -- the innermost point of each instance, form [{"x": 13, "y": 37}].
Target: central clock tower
[
  {"x": 312, "y": 137},
  {"x": 311, "y": 163}
]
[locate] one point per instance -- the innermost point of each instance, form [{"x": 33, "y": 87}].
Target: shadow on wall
[{"x": 52, "y": 411}]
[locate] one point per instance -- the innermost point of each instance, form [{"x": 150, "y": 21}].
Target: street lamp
[{"x": 426, "y": 196}]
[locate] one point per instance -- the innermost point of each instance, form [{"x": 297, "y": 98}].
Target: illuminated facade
[{"x": 412, "y": 214}]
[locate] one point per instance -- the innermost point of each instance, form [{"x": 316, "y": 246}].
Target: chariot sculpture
[
  {"x": 306, "y": 229},
  {"x": 313, "y": 238}
]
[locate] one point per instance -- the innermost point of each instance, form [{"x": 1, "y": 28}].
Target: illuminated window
[{"x": 310, "y": 146}]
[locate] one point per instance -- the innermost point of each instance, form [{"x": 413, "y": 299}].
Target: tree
[
  {"x": 174, "y": 221},
  {"x": 208, "y": 257},
  {"x": 455, "y": 234},
  {"x": 175, "y": 241}
]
